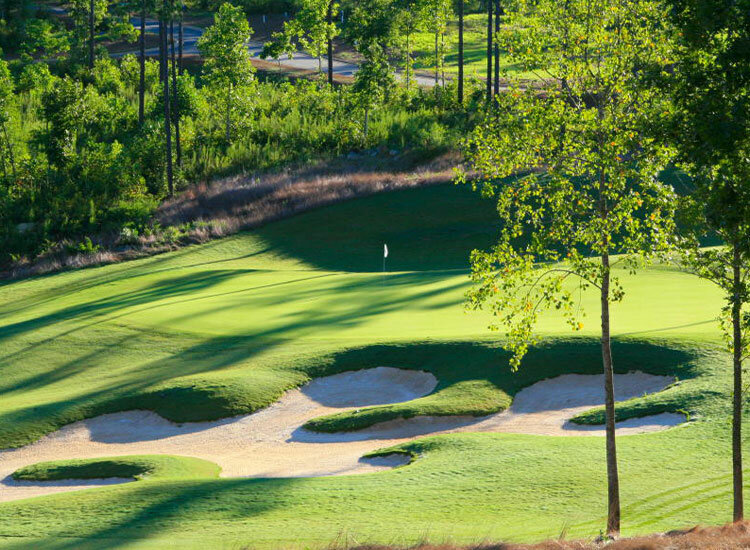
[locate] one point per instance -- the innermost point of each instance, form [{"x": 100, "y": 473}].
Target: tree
[
  {"x": 498, "y": 15},
  {"x": 166, "y": 97},
  {"x": 710, "y": 85},
  {"x": 174, "y": 104},
  {"x": 313, "y": 27},
  {"x": 489, "y": 50},
  {"x": 461, "y": 52},
  {"x": 574, "y": 180},
  {"x": 7, "y": 103},
  {"x": 372, "y": 82},
  {"x": 410, "y": 19},
  {"x": 438, "y": 13},
  {"x": 92, "y": 20},
  {"x": 67, "y": 110},
  {"x": 229, "y": 71},
  {"x": 146, "y": 7},
  {"x": 41, "y": 36},
  {"x": 87, "y": 16}
]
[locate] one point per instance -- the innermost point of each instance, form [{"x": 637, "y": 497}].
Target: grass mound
[
  {"x": 486, "y": 384},
  {"x": 136, "y": 467}
]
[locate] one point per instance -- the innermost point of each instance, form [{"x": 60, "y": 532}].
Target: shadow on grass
[{"x": 147, "y": 508}]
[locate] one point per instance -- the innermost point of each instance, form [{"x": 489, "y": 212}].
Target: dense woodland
[{"x": 85, "y": 147}]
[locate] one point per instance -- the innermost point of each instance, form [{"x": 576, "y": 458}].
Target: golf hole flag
[{"x": 385, "y": 251}]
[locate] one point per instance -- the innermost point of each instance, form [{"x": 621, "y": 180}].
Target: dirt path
[{"x": 272, "y": 443}]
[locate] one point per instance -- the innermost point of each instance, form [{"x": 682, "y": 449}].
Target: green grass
[
  {"x": 137, "y": 467},
  {"x": 224, "y": 328},
  {"x": 475, "y": 51}
]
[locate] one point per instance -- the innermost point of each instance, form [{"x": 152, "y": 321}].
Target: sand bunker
[{"x": 272, "y": 442}]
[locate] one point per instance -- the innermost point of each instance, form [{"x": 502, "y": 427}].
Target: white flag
[{"x": 385, "y": 251}]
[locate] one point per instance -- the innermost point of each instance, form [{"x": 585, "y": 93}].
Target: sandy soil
[{"x": 272, "y": 442}]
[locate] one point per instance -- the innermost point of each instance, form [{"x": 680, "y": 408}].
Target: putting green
[{"x": 224, "y": 328}]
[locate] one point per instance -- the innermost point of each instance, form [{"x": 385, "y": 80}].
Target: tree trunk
[
  {"x": 739, "y": 506},
  {"x": 228, "y": 124},
  {"x": 408, "y": 59},
  {"x": 167, "y": 117},
  {"x": 461, "y": 51},
  {"x": 442, "y": 57},
  {"x": 437, "y": 59},
  {"x": 497, "y": 46},
  {"x": 613, "y": 482},
  {"x": 175, "y": 107},
  {"x": 11, "y": 156},
  {"x": 142, "y": 76},
  {"x": 329, "y": 18},
  {"x": 91, "y": 34},
  {"x": 161, "y": 51},
  {"x": 489, "y": 50},
  {"x": 181, "y": 39}
]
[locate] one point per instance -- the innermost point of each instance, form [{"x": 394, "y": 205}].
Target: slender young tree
[
  {"x": 574, "y": 179},
  {"x": 313, "y": 28},
  {"x": 461, "y": 51},
  {"x": 371, "y": 83},
  {"x": 409, "y": 20},
  {"x": 438, "y": 12},
  {"x": 710, "y": 84},
  {"x": 229, "y": 70}
]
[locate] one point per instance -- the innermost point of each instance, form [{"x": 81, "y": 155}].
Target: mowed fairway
[{"x": 223, "y": 329}]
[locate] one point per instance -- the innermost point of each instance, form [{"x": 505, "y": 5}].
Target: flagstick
[{"x": 385, "y": 255}]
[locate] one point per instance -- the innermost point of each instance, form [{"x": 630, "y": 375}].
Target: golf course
[
  {"x": 224, "y": 329},
  {"x": 374, "y": 274}
]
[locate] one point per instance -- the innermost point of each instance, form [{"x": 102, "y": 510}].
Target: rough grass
[
  {"x": 136, "y": 467},
  {"x": 204, "y": 212},
  {"x": 730, "y": 536}
]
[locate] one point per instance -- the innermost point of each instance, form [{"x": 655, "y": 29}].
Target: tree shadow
[{"x": 154, "y": 507}]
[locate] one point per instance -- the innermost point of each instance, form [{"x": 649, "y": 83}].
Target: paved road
[{"x": 299, "y": 61}]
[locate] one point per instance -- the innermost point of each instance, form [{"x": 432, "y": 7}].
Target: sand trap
[{"x": 272, "y": 442}]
